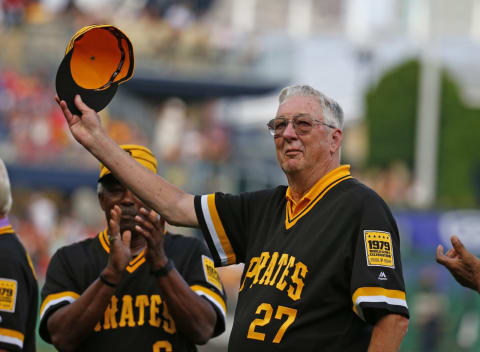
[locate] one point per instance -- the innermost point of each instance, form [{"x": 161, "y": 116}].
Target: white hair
[
  {"x": 5, "y": 191},
  {"x": 332, "y": 111}
]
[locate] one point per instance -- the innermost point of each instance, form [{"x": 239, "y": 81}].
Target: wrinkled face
[
  {"x": 114, "y": 193},
  {"x": 298, "y": 153}
]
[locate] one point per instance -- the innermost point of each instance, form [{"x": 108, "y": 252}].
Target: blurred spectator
[
  {"x": 43, "y": 214},
  {"x": 430, "y": 306},
  {"x": 13, "y": 12},
  {"x": 169, "y": 130}
]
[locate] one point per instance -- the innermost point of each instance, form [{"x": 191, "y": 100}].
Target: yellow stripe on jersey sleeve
[
  {"x": 217, "y": 231},
  {"x": 11, "y": 337},
  {"x": 377, "y": 295},
  {"x": 213, "y": 297},
  {"x": 50, "y": 300}
]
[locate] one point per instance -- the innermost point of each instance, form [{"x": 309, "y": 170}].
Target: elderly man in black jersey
[
  {"x": 322, "y": 254},
  {"x": 18, "y": 284},
  {"x": 133, "y": 287}
]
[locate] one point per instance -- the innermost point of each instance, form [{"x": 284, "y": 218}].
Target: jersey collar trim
[
  {"x": 295, "y": 211},
  {"x": 134, "y": 264}
]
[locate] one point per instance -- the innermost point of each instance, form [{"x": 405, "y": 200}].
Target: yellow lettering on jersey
[
  {"x": 263, "y": 262},
  {"x": 282, "y": 283},
  {"x": 261, "y": 272},
  {"x": 155, "y": 301},
  {"x": 97, "y": 327},
  {"x": 127, "y": 312},
  {"x": 162, "y": 346},
  {"x": 168, "y": 322},
  {"x": 110, "y": 321},
  {"x": 283, "y": 261},
  {"x": 251, "y": 270},
  {"x": 268, "y": 273},
  {"x": 300, "y": 270},
  {"x": 141, "y": 302}
]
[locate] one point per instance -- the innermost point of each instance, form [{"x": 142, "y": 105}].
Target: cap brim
[{"x": 67, "y": 89}]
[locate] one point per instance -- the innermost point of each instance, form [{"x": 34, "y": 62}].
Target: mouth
[{"x": 292, "y": 152}]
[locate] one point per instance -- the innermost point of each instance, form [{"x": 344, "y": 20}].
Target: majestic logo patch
[
  {"x": 378, "y": 248},
  {"x": 382, "y": 276},
  {"x": 8, "y": 295},
  {"x": 211, "y": 273}
]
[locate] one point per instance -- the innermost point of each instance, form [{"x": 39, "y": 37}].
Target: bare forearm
[
  {"x": 172, "y": 203},
  {"x": 192, "y": 314},
  {"x": 388, "y": 333},
  {"x": 71, "y": 324}
]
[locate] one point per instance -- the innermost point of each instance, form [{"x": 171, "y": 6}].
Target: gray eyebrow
[{"x": 296, "y": 115}]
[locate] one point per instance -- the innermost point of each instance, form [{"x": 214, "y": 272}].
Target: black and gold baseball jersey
[
  {"x": 136, "y": 319},
  {"x": 18, "y": 293},
  {"x": 318, "y": 273}
]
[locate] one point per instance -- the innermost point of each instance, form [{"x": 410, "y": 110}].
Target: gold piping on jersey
[
  {"x": 217, "y": 231},
  {"x": 6, "y": 229},
  {"x": 295, "y": 211},
  {"x": 12, "y": 337},
  {"x": 212, "y": 296},
  {"x": 377, "y": 295},
  {"x": 54, "y": 298},
  {"x": 30, "y": 263},
  {"x": 9, "y": 230},
  {"x": 133, "y": 264}
]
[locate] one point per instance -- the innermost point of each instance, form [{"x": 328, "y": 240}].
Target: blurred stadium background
[{"x": 207, "y": 77}]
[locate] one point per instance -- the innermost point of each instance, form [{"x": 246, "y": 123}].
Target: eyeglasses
[{"x": 301, "y": 124}]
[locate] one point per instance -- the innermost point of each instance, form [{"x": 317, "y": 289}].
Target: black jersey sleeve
[
  {"x": 59, "y": 289},
  {"x": 197, "y": 268},
  {"x": 16, "y": 295},
  {"x": 223, "y": 219},
  {"x": 377, "y": 284}
]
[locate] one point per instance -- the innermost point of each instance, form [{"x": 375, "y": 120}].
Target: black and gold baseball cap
[
  {"x": 141, "y": 154},
  {"x": 98, "y": 58}
]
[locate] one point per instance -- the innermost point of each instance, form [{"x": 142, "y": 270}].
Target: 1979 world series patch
[
  {"x": 378, "y": 248},
  {"x": 211, "y": 273},
  {"x": 8, "y": 295}
]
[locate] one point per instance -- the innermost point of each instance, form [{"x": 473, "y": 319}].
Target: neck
[{"x": 301, "y": 182}]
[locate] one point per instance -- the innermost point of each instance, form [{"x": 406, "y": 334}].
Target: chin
[{"x": 291, "y": 166}]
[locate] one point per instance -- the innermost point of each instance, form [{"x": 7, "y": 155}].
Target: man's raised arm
[{"x": 172, "y": 203}]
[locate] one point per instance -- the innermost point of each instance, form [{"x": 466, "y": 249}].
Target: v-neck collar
[
  {"x": 296, "y": 210},
  {"x": 134, "y": 264}
]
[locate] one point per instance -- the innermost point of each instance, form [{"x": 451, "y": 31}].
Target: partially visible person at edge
[
  {"x": 18, "y": 283},
  {"x": 133, "y": 287},
  {"x": 322, "y": 255},
  {"x": 463, "y": 265}
]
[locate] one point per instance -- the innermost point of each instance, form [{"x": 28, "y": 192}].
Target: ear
[{"x": 336, "y": 140}]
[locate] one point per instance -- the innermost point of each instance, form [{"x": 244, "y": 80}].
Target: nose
[
  {"x": 128, "y": 197},
  {"x": 289, "y": 131}
]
